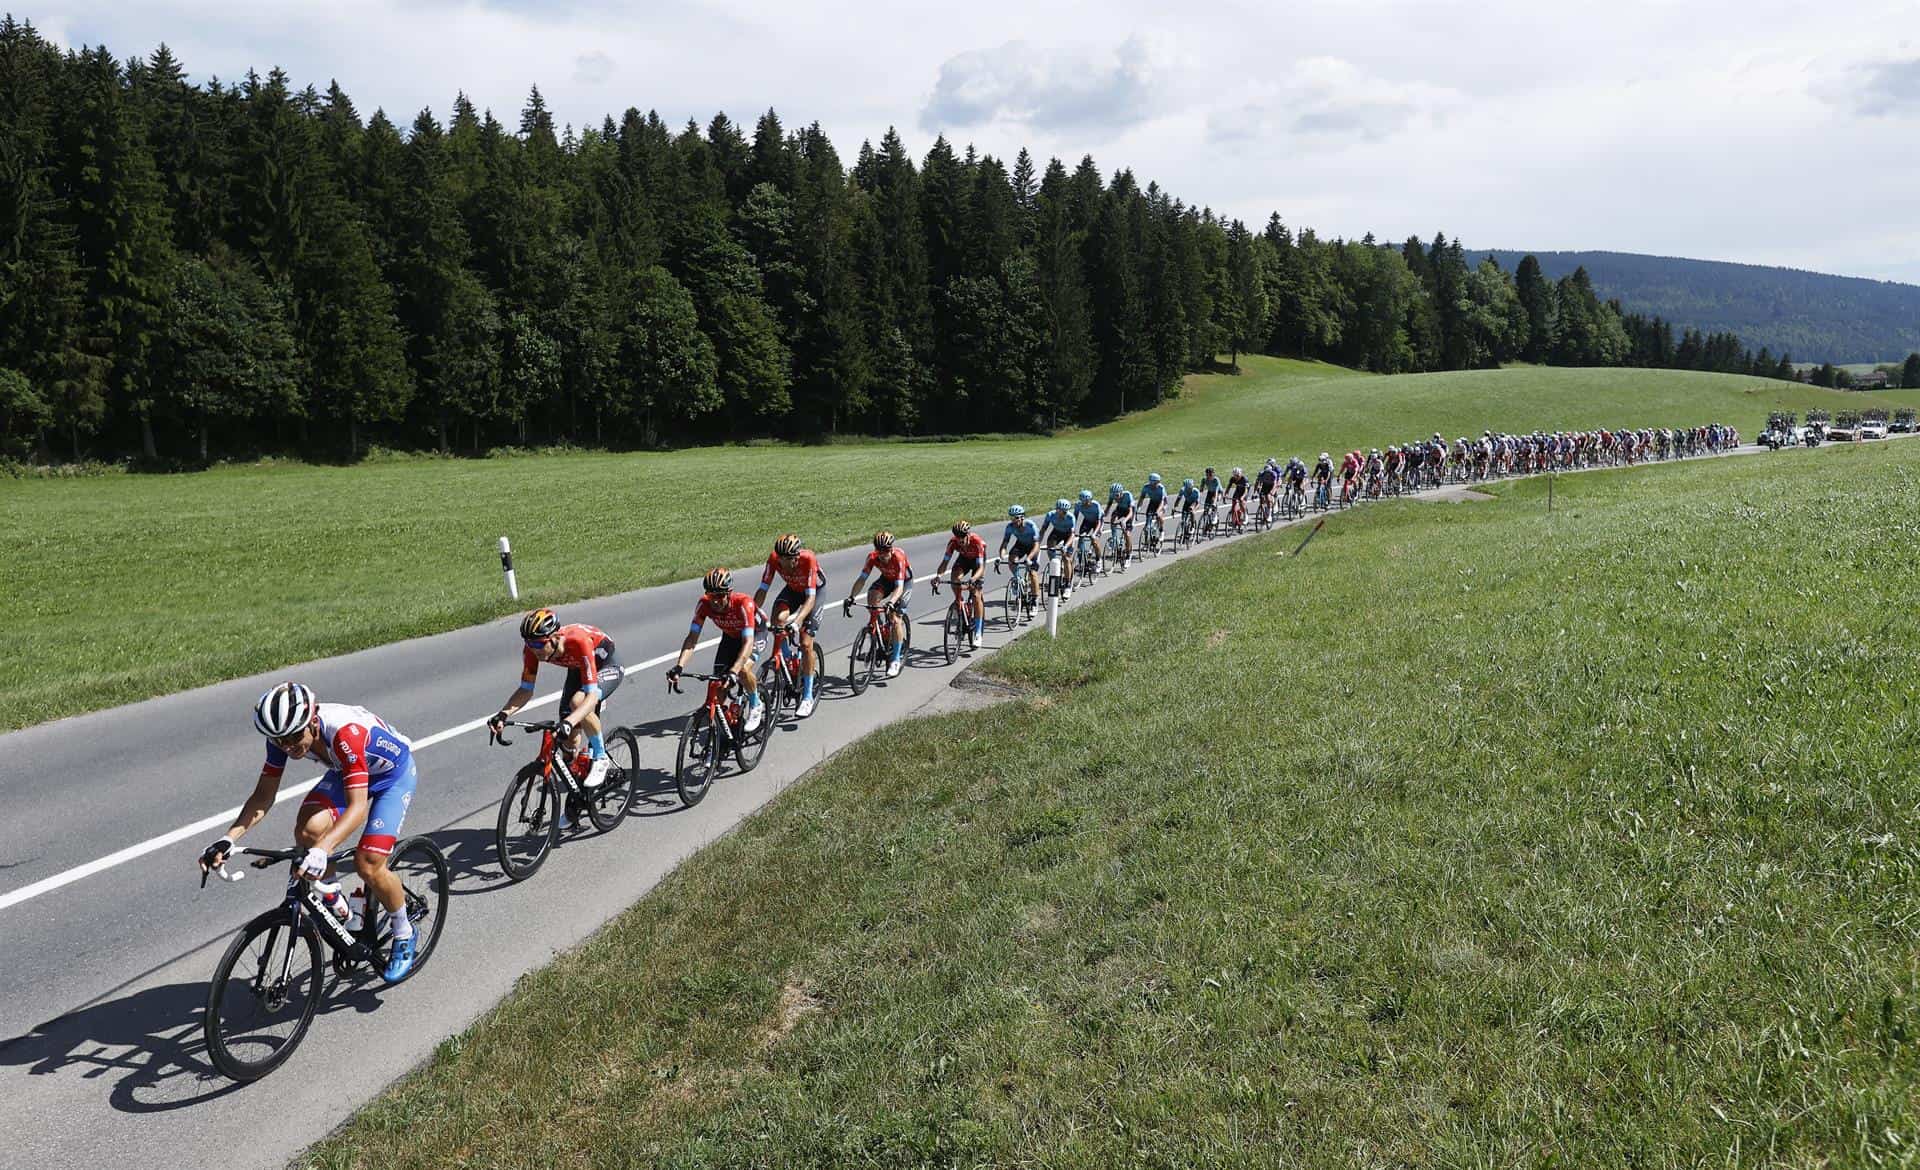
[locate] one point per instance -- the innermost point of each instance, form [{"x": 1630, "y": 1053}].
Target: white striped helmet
[{"x": 284, "y": 710}]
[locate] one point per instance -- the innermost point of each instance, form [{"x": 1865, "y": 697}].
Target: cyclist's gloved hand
[
  {"x": 215, "y": 855},
  {"x": 846, "y": 607},
  {"x": 565, "y": 730},
  {"x": 314, "y": 864},
  {"x": 497, "y": 721}
]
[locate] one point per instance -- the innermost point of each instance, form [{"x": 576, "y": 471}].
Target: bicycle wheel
[
  {"x": 860, "y": 667},
  {"x": 265, "y": 990},
  {"x": 776, "y": 695},
  {"x": 952, "y": 633},
  {"x": 423, "y": 873},
  {"x": 609, "y": 804},
  {"x": 748, "y": 749},
  {"x": 1009, "y": 605},
  {"x": 528, "y": 825},
  {"x": 699, "y": 759}
]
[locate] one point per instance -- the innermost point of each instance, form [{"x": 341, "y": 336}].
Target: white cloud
[{"x": 1764, "y": 130}]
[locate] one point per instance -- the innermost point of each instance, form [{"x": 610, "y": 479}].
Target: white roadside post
[{"x": 506, "y": 567}]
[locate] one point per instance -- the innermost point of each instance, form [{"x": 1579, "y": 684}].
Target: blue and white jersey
[
  {"x": 1120, "y": 501},
  {"x": 1058, "y": 521},
  {"x": 1022, "y": 533},
  {"x": 1088, "y": 512},
  {"x": 1153, "y": 493}
]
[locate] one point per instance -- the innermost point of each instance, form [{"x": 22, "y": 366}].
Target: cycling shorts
[
  {"x": 1121, "y": 515},
  {"x": 884, "y": 586},
  {"x": 386, "y": 808},
  {"x": 725, "y": 654},
  {"x": 791, "y": 599},
  {"x": 1020, "y": 552},
  {"x": 1089, "y": 527},
  {"x": 1056, "y": 538},
  {"x": 965, "y": 566},
  {"x": 1153, "y": 507},
  {"x": 611, "y": 672}
]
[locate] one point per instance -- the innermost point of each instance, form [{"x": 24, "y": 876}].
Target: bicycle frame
[{"x": 302, "y": 904}]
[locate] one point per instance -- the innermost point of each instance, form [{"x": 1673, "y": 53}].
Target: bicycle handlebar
[{"x": 496, "y": 736}]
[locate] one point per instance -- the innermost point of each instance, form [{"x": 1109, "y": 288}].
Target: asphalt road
[
  {"x": 104, "y": 961},
  {"x": 102, "y": 979}
]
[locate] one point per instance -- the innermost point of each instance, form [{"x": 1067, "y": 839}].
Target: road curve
[{"x": 102, "y": 978}]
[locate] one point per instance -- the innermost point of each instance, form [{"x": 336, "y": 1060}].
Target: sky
[{"x": 1758, "y": 131}]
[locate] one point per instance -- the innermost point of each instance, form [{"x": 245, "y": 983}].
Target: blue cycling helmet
[
  {"x": 1061, "y": 505},
  {"x": 1153, "y": 477},
  {"x": 1186, "y": 483},
  {"x": 1016, "y": 511},
  {"x": 1115, "y": 488},
  {"x": 1086, "y": 497}
]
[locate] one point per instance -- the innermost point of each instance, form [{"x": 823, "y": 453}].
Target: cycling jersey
[
  {"x": 892, "y": 565},
  {"x": 1211, "y": 486},
  {"x": 1187, "y": 496},
  {"x": 1089, "y": 514},
  {"x": 1297, "y": 474},
  {"x": 1058, "y": 521},
  {"x": 733, "y": 615},
  {"x": 1237, "y": 487},
  {"x": 969, "y": 548},
  {"x": 805, "y": 577},
  {"x": 1323, "y": 471},
  {"x": 1266, "y": 481},
  {"x": 582, "y": 648},
  {"x": 1153, "y": 493},
  {"x": 1120, "y": 503},
  {"x": 355, "y": 743},
  {"x": 1022, "y": 534}
]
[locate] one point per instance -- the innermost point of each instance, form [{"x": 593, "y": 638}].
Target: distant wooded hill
[{"x": 1816, "y": 317}]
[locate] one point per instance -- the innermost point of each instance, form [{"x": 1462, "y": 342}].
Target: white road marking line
[{"x": 222, "y": 820}]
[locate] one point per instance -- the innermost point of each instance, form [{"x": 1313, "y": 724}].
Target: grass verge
[
  {"x": 123, "y": 587},
  {"x": 1473, "y": 837}
]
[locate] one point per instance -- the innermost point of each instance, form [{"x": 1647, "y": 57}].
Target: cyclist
[
  {"x": 797, "y": 604},
  {"x": 1089, "y": 513},
  {"x": 1120, "y": 513},
  {"x": 968, "y": 552},
  {"x": 1153, "y": 498},
  {"x": 1058, "y": 526},
  {"x": 1264, "y": 484},
  {"x": 367, "y": 787},
  {"x": 1349, "y": 476},
  {"x": 738, "y": 618},
  {"x": 1237, "y": 497},
  {"x": 1210, "y": 491},
  {"x": 1296, "y": 474},
  {"x": 892, "y": 588},
  {"x": 1024, "y": 537},
  {"x": 1187, "y": 499},
  {"x": 593, "y": 674},
  {"x": 1323, "y": 480}
]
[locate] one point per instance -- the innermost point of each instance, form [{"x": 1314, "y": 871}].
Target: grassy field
[
  {"x": 123, "y": 587},
  {"x": 1475, "y": 837}
]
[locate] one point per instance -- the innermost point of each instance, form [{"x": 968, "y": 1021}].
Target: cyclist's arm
[
  {"x": 687, "y": 645},
  {"x": 529, "y": 667},
  {"x": 258, "y": 804},
  {"x": 858, "y": 584}
]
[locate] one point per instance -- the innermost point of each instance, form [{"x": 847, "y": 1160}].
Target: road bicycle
[
  {"x": 873, "y": 646},
  {"x": 1150, "y": 535},
  {"x": 956, "y": 631},
  {"x": 1117, "y": 544},
  {"x": 1322, "y": 495},
  {"x": 1293, "y": 501},
  {"x": 271, "y": 979},
  {"x": 715, "y": 730},
  {"x": 783, "y": 671},
  {"x": 1189, "y": 530},
  {"x": 1057, "y": 570},
  {"x": 1017, "y": 602},
  {"x": 1263, "y": 515},
  {"x": 1210, "y": 521},
  {"x": 548, "y": 794},
  {"x": 1087, "y": 564}
]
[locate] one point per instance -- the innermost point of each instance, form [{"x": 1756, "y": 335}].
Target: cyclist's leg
[
  {"x": 901, "y": 617},
  {"x": 386, "y": 814},
  {"x": 322, "y": 806}
]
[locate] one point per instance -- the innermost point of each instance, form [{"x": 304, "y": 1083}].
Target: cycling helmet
[
  {"x": 787, "y": 546},
  {"x": 718, "y": 579},
  {"x": 286, "y": 709},
  {"x": 1115, "y": 488},
  {"x": 961, "y": 528},
  {"x": 538, "y": 625},
  {"x": 1238, "y": 471},
  {"x": 1186, "y": 483},
  {"x": 1016, "y": 511},
  {"x": 1209, "y": 471},
  {"x": 882, "y": 540},
  {"x": 1153, "y": 477},
  {"x": 1374, "y": 451},
  {"x": 1062, "y": 505},
  {"x": 1325, "y": 458},
  {"x": 1086, "y": 497}
]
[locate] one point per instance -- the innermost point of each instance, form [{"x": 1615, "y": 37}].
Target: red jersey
[
  {"x": 804, "y": 577},
  {"x": 578, "y": 644},
  {"x": 892, "y": 564},
  {"x": 970, "y": 546},
  {"x": 733, "y": 615}
]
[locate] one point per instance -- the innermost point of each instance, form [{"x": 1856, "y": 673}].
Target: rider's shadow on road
[{"x": 151, "y": 1041}]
